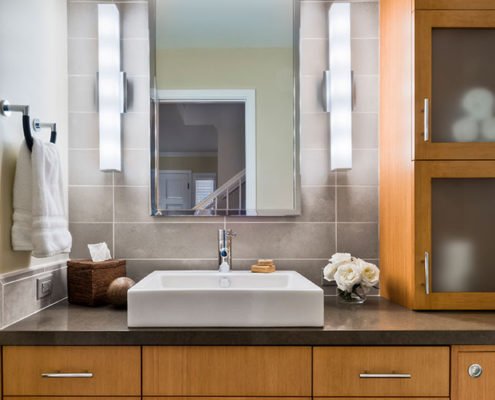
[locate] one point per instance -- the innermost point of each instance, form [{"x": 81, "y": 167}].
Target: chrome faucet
[{"x": 225, "y": 249}]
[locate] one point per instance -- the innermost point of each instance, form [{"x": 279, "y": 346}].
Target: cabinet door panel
[
  {"x": 466, "y": 387},
  {"x": 381, "y": 371},
  {"x": 455, "y": 85},
  {"x": 108, "y": 371},
  {"x": 454, "y": 217},
  {"x": 227, "y": 371}
]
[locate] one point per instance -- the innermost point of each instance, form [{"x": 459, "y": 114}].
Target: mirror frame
[{"x": 154, "y": 188}]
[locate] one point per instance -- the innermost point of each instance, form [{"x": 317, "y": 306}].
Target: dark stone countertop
[{"x": 377, "y": 322}]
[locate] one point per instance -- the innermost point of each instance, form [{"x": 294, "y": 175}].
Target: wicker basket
[{"x": 88, "y": 281}]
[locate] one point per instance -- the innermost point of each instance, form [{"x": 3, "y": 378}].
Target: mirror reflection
[{"x": 224, "y": 116}]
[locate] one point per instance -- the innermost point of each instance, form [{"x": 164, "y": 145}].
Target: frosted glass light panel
[
  {"x": 110, "y": 87},
  {"x": 463, "y": 232},
  {"x": 463, "y": 85}
]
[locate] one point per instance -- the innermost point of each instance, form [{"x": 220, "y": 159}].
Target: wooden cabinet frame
[
  {"x": 425, "y": 22},
  {"x": 425, "y": 172}
]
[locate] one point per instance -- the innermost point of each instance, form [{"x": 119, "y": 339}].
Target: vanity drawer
[
  {"x": 227, "y": 371},
  {"x": 100, "y": 371},
  {"x": 381, "y": 371}
]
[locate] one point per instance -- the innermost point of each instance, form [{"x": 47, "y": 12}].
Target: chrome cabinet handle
[
  {"x": 67, "y": 375},
  {"x": 427, "y": 120},
  {"x": 385, "y": 376},
  {"x": 427, "y": 272},
  {"x": 475, "y": 370}
]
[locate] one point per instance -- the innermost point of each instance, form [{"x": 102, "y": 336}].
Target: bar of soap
[
  {"x": 265, "y": 261},
  {"x": 263, "y": 269}
]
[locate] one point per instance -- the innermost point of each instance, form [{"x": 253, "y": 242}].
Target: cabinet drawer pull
[
  {"x": 475, "y": 370},
  {"x": 427, "y": 272},
  {"x": 385, "y": 376},
  {"x": 427, "y": 120},
  {"x": 67, "y": 375}
]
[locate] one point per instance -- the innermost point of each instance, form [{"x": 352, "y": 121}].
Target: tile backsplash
[{"x": 340, "y": 210}]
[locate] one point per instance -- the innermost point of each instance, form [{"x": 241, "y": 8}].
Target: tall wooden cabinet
[{"x": 437, "y": 153}]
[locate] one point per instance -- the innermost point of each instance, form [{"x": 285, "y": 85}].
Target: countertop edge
[{"x": 248, "y": 338}]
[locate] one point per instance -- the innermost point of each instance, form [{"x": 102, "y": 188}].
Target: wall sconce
[
  {"x": 338, "y": 86},
  {"x": 111, "y": 88}
]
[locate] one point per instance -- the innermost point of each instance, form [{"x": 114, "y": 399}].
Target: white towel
[
  {"x": 23, "y": 202},
  {"x": 48, "y": 234}
]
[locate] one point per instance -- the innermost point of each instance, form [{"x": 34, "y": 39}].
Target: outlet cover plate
[{"x": 44, "y": 287}]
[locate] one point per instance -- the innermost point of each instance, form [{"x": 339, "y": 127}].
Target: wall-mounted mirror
[{"x": 224, "y": 107}]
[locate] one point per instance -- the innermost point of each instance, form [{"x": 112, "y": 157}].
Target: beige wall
[
  {"x": 33, "y": 70},
  {"x": 194, "y": 164},
  {"x": 267, "y": 70}
]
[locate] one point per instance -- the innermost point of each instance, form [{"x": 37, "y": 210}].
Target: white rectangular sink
[{"x": 232, "y": 299}]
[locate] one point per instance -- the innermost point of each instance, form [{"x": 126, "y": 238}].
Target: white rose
[
  {"x": 340, "y": 258},
  {"x": 348, "y": 275},
  {"x": 370, "y": 274},
  {"x": 329, "y": 272}
]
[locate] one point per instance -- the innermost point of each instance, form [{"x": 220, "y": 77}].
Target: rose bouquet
[{"x": 354, "y": 277}]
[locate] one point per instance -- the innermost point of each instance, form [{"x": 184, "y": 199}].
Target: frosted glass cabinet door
[
  {"x": 463, "y": 235},
  {"x": 454, "y": 235},
  {"x": 463, "y": 85},
  {"x": 455, "y": 85}
]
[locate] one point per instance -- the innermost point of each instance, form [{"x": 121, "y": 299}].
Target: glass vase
[{"x": 357, "y": 296}]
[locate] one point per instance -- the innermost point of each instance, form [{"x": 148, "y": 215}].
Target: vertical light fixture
[
  {"x": 338, "y": 86},
  {"x": 111, "y": 88}
]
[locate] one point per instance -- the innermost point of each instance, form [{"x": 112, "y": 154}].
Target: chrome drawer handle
[
  {"x": 67, "y": 375},
  {"x": 475, "y": 370},
  {"x": 427, "y": 272},
  {"x": 426, "y": 132},
  {"x": 385, "y": 376}
]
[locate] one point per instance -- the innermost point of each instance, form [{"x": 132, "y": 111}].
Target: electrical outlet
[{"x": 44, "y": 287}]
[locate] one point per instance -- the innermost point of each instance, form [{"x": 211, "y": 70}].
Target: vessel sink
[{"x": 231, "y": 299}]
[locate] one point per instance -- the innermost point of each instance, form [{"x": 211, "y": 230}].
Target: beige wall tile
[
  {"x": 314, "y": 17},
  {"x": 135, "y": 56},
  {"x": 315, "y": 167},
  {"x": 359, "y": 239},
  {"x": 364, "y": 130},
  {"x": 134, "y": 19},
  {"x": 84, "y": 234},
  {"x": 366, "y": 93},
  {"x": 166, "y": 240},
  {"x": 82, "y": 94},
  {"x": 364, "y": 19},
  {"x": 83, "y": 56},
  {"x": 84, "y": 168},
  {"x": 135, "y": 168},
  {"x": 364, "y": 56},
  {"x": 136, "y": 131},
  {"x": 91, "y": 204},
  {"x": 357, "y": 204},
  {"x": 315, "y": 131},
  {"x": 364, "y": 169},
  {"x": 314, "y": 56},
  {"x": 284, "y": 240},
  {"x": 83, "y": 131},
  {"x": 82, "y": 20}
]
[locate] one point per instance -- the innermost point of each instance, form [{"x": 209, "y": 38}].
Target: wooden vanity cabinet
[
  {"x": 441, "y": 51},
  {"x": 381, "y": 371},
  {"x": 30, "y": 371},
  {"x": 233, "y": 371},
  {"x": 473, "y": 372}
]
